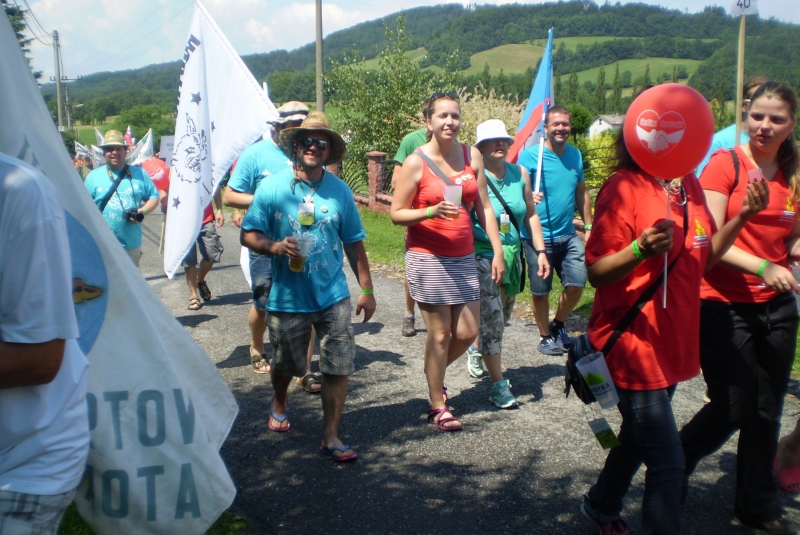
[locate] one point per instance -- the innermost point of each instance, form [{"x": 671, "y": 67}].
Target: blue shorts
[
  {"x": 260, "y": 279},
  {"x": 567, "y": 259}
]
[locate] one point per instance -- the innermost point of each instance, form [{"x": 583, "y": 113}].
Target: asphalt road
[{"x": 509, "y": 471}]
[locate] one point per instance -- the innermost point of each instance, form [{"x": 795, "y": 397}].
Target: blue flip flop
[
  {"x": 342, "y": 458},
  {"x": 279, "y": 419}
]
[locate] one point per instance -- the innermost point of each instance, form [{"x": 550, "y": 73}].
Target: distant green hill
[{"x": 508, "y": 37}]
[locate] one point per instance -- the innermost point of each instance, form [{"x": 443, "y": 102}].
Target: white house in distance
[{"x": 605, "y": 122}]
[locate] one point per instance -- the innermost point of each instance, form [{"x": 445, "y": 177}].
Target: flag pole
[
  {"x": 740, "y": 80},
  {"x": 541, "y": 149}
]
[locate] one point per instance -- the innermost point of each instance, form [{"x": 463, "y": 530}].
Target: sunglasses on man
[{"x": 308, "y": 142}]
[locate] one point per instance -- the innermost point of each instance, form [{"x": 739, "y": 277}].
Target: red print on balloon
[{"x": 660, "y": 134}]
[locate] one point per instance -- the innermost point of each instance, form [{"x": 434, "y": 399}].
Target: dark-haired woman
[
  {"x": 440, "y": 261},
  {"x": 749, "y": 314},
  {"x": 659, "y": 349}
]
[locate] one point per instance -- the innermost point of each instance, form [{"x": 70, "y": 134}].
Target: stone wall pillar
[{"x": 376, "y": 173}]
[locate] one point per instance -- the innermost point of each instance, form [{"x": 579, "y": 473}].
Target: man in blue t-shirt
[
  {"x": 726, "y": 138},
  {"x": 306, "y": 220},
  {"x": 257, "y": 162},
  {"x": 134, "y": 197},
  {"x": 563, "y": 187}
]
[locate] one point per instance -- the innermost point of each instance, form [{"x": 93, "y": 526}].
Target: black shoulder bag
[
  {"x": 582, "y": 347},
  {"x": 109, "y": 193}
]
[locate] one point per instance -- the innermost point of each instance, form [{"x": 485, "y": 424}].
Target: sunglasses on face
[{"x": 308, "y": 142}]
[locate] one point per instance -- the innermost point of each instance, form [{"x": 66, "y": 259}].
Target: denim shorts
[
  {"x": 261, "y": 279},
  {"x": 290, "y": 333},
  {"x": 567, "y": 259}
]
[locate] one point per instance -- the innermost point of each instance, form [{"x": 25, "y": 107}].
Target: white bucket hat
[{"x": 491, "y": 129}]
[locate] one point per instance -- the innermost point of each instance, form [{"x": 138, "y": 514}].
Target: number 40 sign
[{"x": 744, "y": 7}]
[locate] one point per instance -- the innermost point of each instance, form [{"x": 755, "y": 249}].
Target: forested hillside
[{"x": 449, "y": 36}]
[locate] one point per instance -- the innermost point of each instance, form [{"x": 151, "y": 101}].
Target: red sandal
[{"x": 437, "y": 418}]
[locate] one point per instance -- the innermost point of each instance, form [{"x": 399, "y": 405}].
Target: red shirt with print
[
  {"x": 662, "y": 346},
  {"x": 762, "y": 236},
  {"x": 439, "y": 236}
]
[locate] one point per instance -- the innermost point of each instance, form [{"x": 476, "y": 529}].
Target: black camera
[{"x": 134, "y": 214}]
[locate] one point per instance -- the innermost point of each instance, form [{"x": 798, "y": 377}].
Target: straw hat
[
  {"x": 491, "y": 129},
  {"x": 316, "y": 121},
  {"x": 113, "y": 138},
  {"x": 291, "y": 111}
]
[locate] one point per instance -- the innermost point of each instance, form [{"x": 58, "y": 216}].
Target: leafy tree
[
  {"x": 142, "y": 118},
  {"x": 616, "y": 91},
  {"x": 377, "y": 107},
  {"x": 581, "y": 119},
  {"x": 626, "y": 79},
  {"x": 16, "y": 16},
  {"x": 646, "y": 80},
  {"x": 500, "y": 84},
  {"x": 486, "y": 76},
  {"x": 557, "y": 89},
  {"x": 573, "y": 87},
  {"x": 600, "y": 91}
]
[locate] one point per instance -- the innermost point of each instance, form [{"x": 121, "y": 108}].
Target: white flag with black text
[{"x": 221, "y": 111}]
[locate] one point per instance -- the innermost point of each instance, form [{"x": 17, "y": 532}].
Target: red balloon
[
  {"x": 668, "y": 130},
  {"x": 158, "y": 171}
]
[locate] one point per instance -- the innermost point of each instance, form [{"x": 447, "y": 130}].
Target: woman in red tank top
[{"x": 440, "y": 264}]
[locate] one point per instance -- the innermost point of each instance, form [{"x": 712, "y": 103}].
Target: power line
[
  {"x": 30, "y": 26},
  {"x": 127, "y": 48}
]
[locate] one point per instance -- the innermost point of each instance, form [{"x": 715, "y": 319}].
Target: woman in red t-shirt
[
  {"x": 440, "y": 264},
  {"x": 748, "y": 315},
  {"x": 624, "y": 256}
]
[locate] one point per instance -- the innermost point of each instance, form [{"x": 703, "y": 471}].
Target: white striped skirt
[{"x": 442, "y": 280}]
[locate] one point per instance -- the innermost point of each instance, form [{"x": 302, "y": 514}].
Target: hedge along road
[{"x": 509, "y": 471}]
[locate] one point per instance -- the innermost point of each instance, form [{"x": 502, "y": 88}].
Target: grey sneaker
[
  {"x": 549, "y": 346},
  {"x": 475, "y": 363},
  {"x": 408, "y": 326},
  {"x": 501, "y": 396},
  {"x": 560, "y": 336}
]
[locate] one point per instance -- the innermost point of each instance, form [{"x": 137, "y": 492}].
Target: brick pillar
[
  {"x": 376, "y": 173},
  {"x": 335, "y": 168}
]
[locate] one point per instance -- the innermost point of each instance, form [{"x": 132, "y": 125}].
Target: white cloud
[{"x": 99, "y": 35}]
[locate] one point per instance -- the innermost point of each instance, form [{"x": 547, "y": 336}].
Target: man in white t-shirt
[{"x": 44, "y": 425}]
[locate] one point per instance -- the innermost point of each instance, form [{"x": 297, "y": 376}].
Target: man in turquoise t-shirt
[
  {"x": 258, "y": 161},
  {"x": 563, "y": 187},
  {"x": 306, "y": 220},
  {"x": 134, "y": 194}
]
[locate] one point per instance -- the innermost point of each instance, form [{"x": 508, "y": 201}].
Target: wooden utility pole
[
  {"x": 56, "y": 56},
  {"x": 320, "y": 96}
]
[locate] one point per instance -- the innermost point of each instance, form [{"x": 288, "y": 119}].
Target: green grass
[
  {"x": 637, "y": 68},
  {"x": 86, "y": 132},
  {"x": 513, "y": 59},
  {"x": 385, "y": 241},
  {"x": 226, "y": 524}
]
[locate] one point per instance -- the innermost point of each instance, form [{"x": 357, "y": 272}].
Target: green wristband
[
  {"x": 144, "y": 212},
  {"x": 430, "y": 212},
  {"x": 636, "y": 251},
  {"x": 368, "y": 291},
  {"x": 762, "y": 268},
  {"x": 587, "y": 227}
]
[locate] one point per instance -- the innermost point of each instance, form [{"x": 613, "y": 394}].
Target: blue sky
[{"x": 111, "y": 35}]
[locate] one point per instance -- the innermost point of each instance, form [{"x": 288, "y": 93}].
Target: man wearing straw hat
[
  {"x": 260, "y": 160},
  {"x": 124, "y": 194},
  {"x": 305, "y": 218}
]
